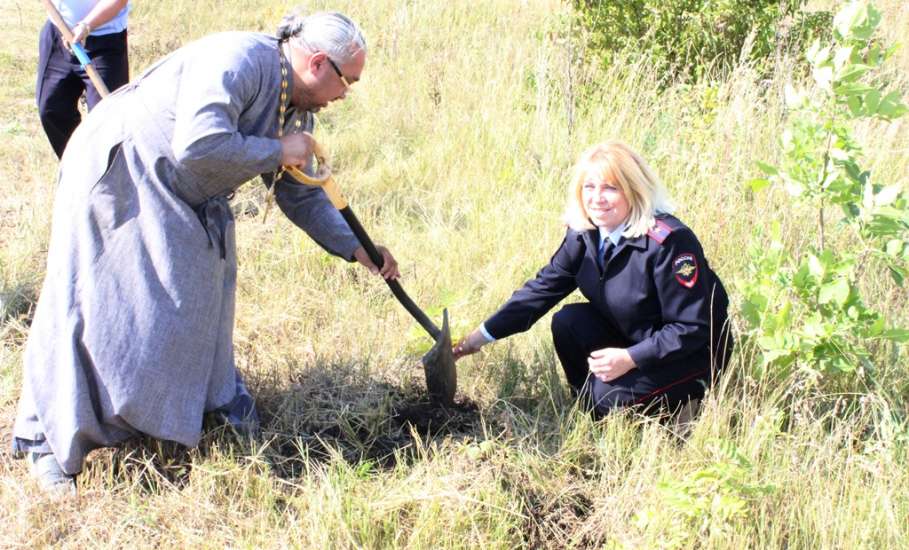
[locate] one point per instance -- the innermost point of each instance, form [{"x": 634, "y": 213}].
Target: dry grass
[{"x": 453, "y": 150}]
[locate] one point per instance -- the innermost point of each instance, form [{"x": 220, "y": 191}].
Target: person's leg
[
  {"x": 240, "y": 413},
  {"x": 29, "y": 443},
  {"x": 577, "y": 330},
  {"x": 652, "y": 390},
  {"x": 58, "y": 89},
  {"x": 110, "y": 58}
]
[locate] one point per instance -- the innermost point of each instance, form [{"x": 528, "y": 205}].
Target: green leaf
[
  {"x": 852, "y": 73},
  {"x": 815, "y": 267},
  {"x": 887, "y": 195},
  {"x": 852, "y": 89},
  {"x": 847, "y": 18},
  {"x": 882, "y": 225},
  {"x": 768, "y": 343},
  {"x": 836, "y": 292},
  {"x": 891, "y": 107},
  {"x": 898, "y": 274},
  {"x": 872, "y": 102},
  {"x": 900, "y": 335},
  {"x": 854, "y": 103},
  {"x": 783, "y": 320},
  {"x": 876, "y": 328},
  {"x": 802, "y": 279},
  {"x": 841, "y": 57},
  {"x": 752, "y": 313},
  {"x": 814, "y": 328},
  {"x": 768, "y": 169},
  {"x": 824, "y": 77},
  {"x": 842, "y": 365},
  {"x": 758, "y": 184},
  {"x": 821, "y": 56},
  {"x": 811, "y": 52},
  {"x": 838, "y": 154},
  {"x": 894, "y": 247}
]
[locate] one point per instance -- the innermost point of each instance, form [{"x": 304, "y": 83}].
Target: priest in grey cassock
[{"x": 132, "y": 333}]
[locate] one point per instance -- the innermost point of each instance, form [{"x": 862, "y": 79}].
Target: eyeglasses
[{"x": 338, "y": 72}]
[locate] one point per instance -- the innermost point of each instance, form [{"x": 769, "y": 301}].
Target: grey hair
[{"x": 324, "y": 31}]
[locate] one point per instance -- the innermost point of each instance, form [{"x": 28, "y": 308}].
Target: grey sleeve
[
  {"x": 213, "y": 92},
  {"x": 309, "y": 208}
]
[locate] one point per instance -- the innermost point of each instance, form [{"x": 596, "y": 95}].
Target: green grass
[{"x": 454, "y": 151}]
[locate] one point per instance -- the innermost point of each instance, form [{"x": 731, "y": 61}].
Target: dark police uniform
[{"x": 655, "y": 295}]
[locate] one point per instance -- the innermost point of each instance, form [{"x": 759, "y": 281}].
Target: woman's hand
[
  {"x": 296, "y": 149},
  {"x": 607, "y": 364},
  {"x": 80, "y": 32},
  {"x": 389, "y": 264},
  {"x": 470, "y": 344}
]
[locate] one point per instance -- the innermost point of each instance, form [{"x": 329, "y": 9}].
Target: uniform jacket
[{"x": 657, "y": 291}]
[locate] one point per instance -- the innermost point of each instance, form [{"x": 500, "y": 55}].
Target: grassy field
[{"x": 454, "y": 151}]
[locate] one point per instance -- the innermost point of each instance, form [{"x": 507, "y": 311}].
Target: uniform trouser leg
[
  {"x": 57, "y": 91},
  {"x": 109, "y": 56},
  {"x": 578, "y": 330},
  {"x": 61, "y": 80}
]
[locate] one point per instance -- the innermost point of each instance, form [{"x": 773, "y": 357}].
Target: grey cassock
[{"x": 133, "y": 328}]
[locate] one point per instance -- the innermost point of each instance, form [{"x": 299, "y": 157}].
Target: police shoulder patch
[
  {"x": 685, "y": 269},
  {"x": 659, "y": 231}
]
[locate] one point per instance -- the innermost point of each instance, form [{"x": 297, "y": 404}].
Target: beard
[{"x": 304, "y": 101}]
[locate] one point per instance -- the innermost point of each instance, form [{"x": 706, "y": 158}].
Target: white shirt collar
[{"x": 613, "y": 236}]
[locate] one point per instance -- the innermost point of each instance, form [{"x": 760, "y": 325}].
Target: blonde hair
[{"x": 616, "y": 163}]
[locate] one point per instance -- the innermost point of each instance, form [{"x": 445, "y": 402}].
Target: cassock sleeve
[
  {"x": 213, "y": 92},
  {"x": 310, "y": 210}
]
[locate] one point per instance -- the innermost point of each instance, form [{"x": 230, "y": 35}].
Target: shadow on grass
[
  {"x": 339, "y": 411},
  {"x": 17, "y": 306},
  {"x": 311, "y": 417}
]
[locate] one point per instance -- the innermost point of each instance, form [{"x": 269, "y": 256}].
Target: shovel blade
[{"x": 439, "y": 367}]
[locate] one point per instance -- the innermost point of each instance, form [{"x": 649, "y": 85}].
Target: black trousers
[
  {"x": 61, "y": 80},
  {"x": 579, "y": 329}
]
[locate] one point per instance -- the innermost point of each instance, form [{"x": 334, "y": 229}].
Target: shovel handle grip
[{"x": 395, "y": 286}]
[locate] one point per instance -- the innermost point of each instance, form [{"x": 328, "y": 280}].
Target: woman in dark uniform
[{"x": 654, "y": 329}]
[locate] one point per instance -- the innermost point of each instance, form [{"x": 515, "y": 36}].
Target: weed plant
[{"x": 454, "y": 150}]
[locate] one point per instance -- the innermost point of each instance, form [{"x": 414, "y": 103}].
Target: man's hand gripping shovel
[{"x": 438, "y": 363}]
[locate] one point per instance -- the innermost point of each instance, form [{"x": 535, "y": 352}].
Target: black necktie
[{"x": 606, "y": 249}]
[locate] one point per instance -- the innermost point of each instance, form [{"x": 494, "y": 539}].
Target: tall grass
[{"x": 454, "y": 150}]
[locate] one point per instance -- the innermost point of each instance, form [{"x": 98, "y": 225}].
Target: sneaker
[{"x": 52, "y": 479}]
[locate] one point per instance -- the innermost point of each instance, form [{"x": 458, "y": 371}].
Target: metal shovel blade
[{"x": 439, "y": 367}]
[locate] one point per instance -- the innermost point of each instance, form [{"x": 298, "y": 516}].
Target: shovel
[{"x": 438, "y": 363}]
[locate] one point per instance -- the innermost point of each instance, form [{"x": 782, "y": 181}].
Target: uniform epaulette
[{"x": 659, "y": 231}]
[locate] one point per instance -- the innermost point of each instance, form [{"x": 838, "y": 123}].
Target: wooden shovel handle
[{"x": 80, "y": 52}]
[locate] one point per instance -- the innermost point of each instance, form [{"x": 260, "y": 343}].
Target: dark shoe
[
  {"x": 50, "y": 476},
  {"x": 240, "y": 414}
]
